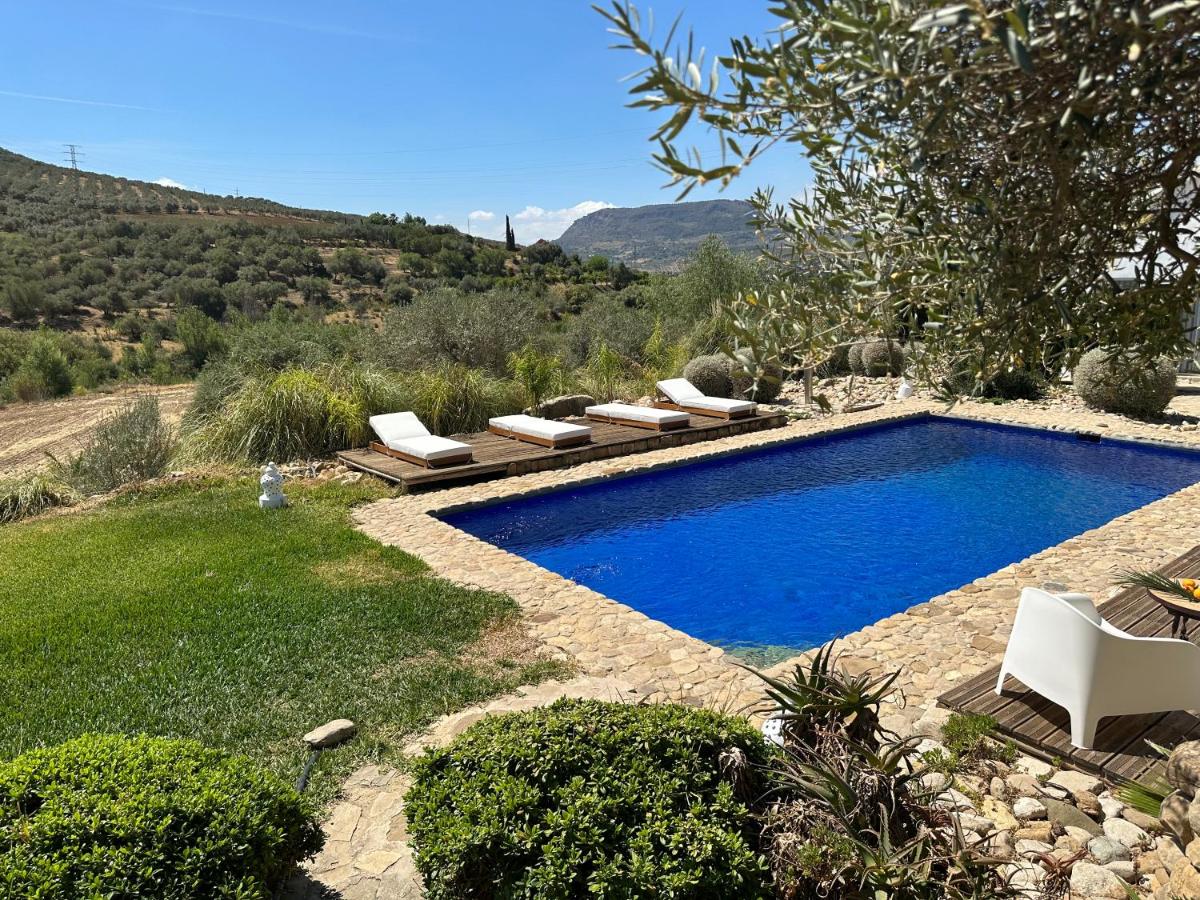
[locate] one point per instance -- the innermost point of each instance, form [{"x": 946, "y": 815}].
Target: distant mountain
[{"x": 660, "y": 237}]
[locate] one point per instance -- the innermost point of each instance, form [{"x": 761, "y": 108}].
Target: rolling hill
[{"x": 662, "y": 236}]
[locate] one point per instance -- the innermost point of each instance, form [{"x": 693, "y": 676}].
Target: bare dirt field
[{"x": 29, "y": 430}]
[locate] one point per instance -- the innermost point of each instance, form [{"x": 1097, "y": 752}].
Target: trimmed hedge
[
  {"x": 1118, "y": 384},
  {"x": 590, "y": 799},
  {"x": 130, "y": 817},
  {"x": 882, "y": 358}
]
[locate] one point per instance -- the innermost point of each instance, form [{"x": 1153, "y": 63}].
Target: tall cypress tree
[{"x": 510, "y": 238}]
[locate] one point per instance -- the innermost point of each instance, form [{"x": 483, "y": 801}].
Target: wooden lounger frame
[
  {"x": 639, "y": 423},
  {"x": 701, "y": 411},
  {"x": 552, "y": 443},
  {"x": 457, "y": 460}
]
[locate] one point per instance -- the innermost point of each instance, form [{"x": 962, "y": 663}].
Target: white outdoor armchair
[{"x": 1061, "y": 648}]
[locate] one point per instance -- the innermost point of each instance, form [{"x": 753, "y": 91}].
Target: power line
[{"x": 73, "y": 153}]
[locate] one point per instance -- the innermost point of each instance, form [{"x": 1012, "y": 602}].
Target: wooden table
[{"x": 1181, "y": 612}]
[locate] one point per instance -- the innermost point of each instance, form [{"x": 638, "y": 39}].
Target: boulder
[
  {"x": 564, "y": 406},
  {"x": 1091, "y": 880},
  {"x": 999, "y": 813},
  {"x": 1090, "y": 804},
  {"x": 1028, "y": 849},
  {"x": 1111, "y": 806},
  {"x": 1106, "y": 850},
  {"x": 1183, "y": 768},
  {"x": 1185, "y": 880},
  {"x": 997, "y": 788},
  {"x": 1174, "y": 816},
  {"x": 1141, "y": 820},
  {"x": 1066, "y": 814},
  {"x": 1022, "y": 785},
  {"x": 1035, "y": 831},
  {"x": 1031, "y": 766},
  {"x": 1193, "y": 815}
]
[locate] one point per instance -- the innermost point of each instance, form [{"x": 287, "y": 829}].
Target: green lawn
[{"x": 186, "y": 611}]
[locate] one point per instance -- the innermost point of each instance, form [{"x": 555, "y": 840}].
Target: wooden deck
[
  {"x": 499, "y": 457},
  {"x": 1042, "y": 729}
]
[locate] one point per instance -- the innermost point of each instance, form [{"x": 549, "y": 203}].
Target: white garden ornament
[
  {"x": 272, "y": 488},
  {"x": 905, "y": 390}
]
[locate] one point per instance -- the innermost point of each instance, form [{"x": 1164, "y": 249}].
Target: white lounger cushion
[
  {"x": 542, "y": 428},
  {"x": 682, "y": 392},
  {"x": 404, "y": 433},
  {"x": 637, "y": 413}
]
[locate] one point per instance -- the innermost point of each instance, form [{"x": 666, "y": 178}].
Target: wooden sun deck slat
[
  {"x": 497, "y": 456},
  {"x": 1042, "y": 728}
]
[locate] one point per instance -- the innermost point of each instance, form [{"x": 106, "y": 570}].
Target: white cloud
[
  {"x": 171, "y": 183},
  {"x": 481, "y": 215},
  {"x": 534, "y": 223}
]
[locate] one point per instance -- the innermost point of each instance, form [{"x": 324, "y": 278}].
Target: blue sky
[{"x": 440, "y": 109}]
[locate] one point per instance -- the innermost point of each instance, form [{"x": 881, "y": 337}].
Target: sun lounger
[
  {"x": 681, "y": 394},
  {"x": 638, "y": 416},
  {"x": 403, "y": 436},
  {"x": 544, "y": 432}
]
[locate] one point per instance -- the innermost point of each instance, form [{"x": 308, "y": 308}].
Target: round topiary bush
[
  {"x": 112, "y": 816},
  {"x": 591, "y": 799},
  {"x": 838, "y": 362},
  {"x": 711, "y": 375},
  {"x": 882, "y": 358},
  {"x": 854, "y": 357},
  {"x": 766, "y": 390},
  {"x": 1016, "y": 384},
  {"x": 1118, "y": 384}
]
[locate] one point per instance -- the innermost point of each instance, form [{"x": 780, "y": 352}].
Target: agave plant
[{"x": 824, "y": 699}]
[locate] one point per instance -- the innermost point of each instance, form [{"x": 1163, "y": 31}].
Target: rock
[
  {"x": 1193, "y": 815},
  {"x": 1031, "y": 766},
  {"x": 1141, "y": 820},
  {"x": 1078, "y": 834},
  {"x": 1000, "y": 845},
  {"x": 1077, "y": 782},
  {"x": 977, "y": 824},
  {"x": 1168, "y": 853},
  {"x": 566, "y": 405},
  {"x": 999, "y": 813},
  {"x": 1053, "y": 791},
  {"x": 934, "y": 781},
  {"x": 1069, "y": 843},
  {"x": 1185, "y": 880},
  {"x": 952, "y": 799},
  {"x": 1090, "y": 804},
  {"x": 1091, "y": 880},
  {"x": 331, "y": 734},
  {"x": 1193, "y": 852},
  {"x": 1106, "y": 850},
  {"x": 1126, "y": 832},
  {"x": 1022, "y": 785},
  {"x": 1035, "y": 831},
  {"x": 1183, "y": 768},
  {"x": 1174, "y": 815},
  {"x": 1123, "y": 869},
  {"x": 1024, "y": 876},
  {"x": 1026, "y": 808},
  {"x": 1065, "y": 814},
  {"x": 1111, "y": 806},
  {"x": 1029, "y": 849},
  {"x": 997, "y": 788}
]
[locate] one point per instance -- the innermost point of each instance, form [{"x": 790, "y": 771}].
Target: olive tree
[{"x": 983, "y": 171}]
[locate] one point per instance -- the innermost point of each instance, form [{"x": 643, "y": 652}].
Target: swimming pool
[{"x": 790, "y": 546}]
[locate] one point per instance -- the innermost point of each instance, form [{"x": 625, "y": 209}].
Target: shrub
[
  {"x": 837, "y": 364},
  {"x": 854, "y": 359},
  {"x": 604, "y": 372},
  {"x": 1117, "y": 383},
  {"x": 113, "y": 816},
  {"x": 453, "y": 399},
  {"x": 29, "y": 494},
  {"x": 711, "y": 375},
  {"x": 761, "y": 387},
  {"x": 1016, "y": 384},
  {"x": 201, "y": 336},
  {"x": 44, "y": 372},
  {"x": 585, "y": 798},
  {"x": 881, "y": 358},
  {"x": 132, "y": 445},
  {"x": 295, "y": 414}
]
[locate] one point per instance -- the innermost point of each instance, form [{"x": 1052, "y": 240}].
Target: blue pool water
[{"x": 791, "y": 546}]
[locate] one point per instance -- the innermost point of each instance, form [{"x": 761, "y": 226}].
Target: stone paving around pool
[{"x": 621, "y": 653}]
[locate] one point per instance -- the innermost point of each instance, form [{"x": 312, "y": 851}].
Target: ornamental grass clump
[
  {"x": 298, "y": 413},
  {"x": 592, "y": 799},
  {"x": 124, "y": 817},
  {"x": 1118, "y": 383},
  {"x": 28, "y": 494},
  {"x": 453, "y": 399}
]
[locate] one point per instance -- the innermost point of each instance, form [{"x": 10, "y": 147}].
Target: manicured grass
[{"x": 185, "y": 611}]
